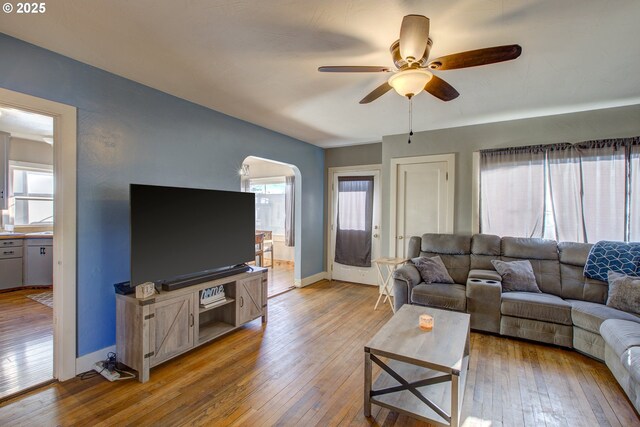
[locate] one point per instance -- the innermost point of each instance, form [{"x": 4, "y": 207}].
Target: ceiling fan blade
[
  {"x": 414, "y": 36},
  {"x": 441, "y": 89},
  {"x": 354, "y": 69},
  {"x": 474, "y": 58},
  {"x": 376, "y": 93}
]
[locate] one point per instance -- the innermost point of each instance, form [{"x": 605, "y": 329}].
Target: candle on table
[{"x": 426, "y": 322}]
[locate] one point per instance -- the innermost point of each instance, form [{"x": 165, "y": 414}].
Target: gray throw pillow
[
  {"x": 516, "y": 276},
  {"x": 432, "y": 270},
  {"x": 624, "y": 292}
]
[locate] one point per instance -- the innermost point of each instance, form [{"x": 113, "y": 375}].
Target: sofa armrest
[
  {"x": 485, "y": 275},
  {"x": 483, "y": 303},
  {"x": 404, "y": 279}
]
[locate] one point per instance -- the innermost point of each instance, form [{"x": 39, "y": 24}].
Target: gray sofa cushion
[
  {"x": 576, "y": 286},
  {"x": 516, "y": 275},
  {"x": 543, "y": 307},
  {"x": 432, "y": 270},
  {"x": 457, "y": 265},
  {"x": 552, "y": 333},
  {"x": 624, "y": 292},
  {"x": 449, "y": 244},
  {"x": 620, "y": 334},
  {"x": 529, "y": 248},
  {"x": 589, "y": 343},
  {"x": 543, "y": 255},
  {"x": 590, "y": 315},
  {"x": 485, "y": 275},
  {"x": 573, "y": 253},
  {"x": 441, "y": 295},
  {"x": 484, "y": 249}
]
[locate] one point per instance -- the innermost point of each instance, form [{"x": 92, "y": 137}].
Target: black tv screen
[{"x": 179, "y": 232}]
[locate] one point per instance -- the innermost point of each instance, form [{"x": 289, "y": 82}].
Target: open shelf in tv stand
[{"x": 153, "y": 330}]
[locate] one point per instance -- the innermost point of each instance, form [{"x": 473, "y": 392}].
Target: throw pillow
[
  {"x": 619, "y": 257},
  {"x": 432, "y": 270},
  {"x": 624, "y": 292},
  {"x": 516, "y": 276}
]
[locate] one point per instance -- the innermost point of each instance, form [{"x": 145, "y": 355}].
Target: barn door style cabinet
[{"x": 153, "y": 330}]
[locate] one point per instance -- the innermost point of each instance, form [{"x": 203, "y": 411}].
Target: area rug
[{"x": 45, "y": 298}]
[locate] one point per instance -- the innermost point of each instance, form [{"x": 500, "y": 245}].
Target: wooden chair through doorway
[
  {"x": 267, "y": 244},
  {"x": 259, "y": 248}
]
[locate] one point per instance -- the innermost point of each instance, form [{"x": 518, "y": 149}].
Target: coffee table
[{"x": 426, "y": 371}]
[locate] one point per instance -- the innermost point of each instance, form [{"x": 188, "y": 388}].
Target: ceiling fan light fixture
[{"x": 410, "y": 82}]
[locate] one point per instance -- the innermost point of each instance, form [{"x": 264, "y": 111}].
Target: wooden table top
[{"x": 442, "y": 347}]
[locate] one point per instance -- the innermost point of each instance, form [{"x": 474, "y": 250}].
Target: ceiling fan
[{"x": 411, "y": 57}]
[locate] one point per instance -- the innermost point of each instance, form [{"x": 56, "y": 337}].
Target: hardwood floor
[
  {"x": 26, "y": 341},
  {"x": 280, "y": 277},
  {"x": 305, "y": 367}
]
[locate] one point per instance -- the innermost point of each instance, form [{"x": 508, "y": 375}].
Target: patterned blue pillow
[{"x": 607, "y": 256}]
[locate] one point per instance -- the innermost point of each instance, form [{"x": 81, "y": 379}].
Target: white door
[
  {"x": 347, "y": 273},
  {"x": 424, "y": 199}
]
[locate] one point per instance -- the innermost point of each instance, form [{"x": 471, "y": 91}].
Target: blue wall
[{"x": 127, "y": 133}]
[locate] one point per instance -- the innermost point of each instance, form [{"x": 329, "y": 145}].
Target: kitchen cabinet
[
  {"x": 38, "y": 262},
  {"x": 10, "y": 264}
]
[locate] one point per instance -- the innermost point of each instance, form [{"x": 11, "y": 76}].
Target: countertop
[{"x": 15, "y": 236}]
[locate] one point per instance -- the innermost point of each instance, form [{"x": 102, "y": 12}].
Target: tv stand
[{"x": 153, "y": 330}]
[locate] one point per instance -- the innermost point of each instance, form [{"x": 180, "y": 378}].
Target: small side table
[{"x": 391, "y": 265}]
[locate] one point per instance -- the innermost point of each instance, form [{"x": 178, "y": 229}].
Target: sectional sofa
[{"x": 570, "y": 311}]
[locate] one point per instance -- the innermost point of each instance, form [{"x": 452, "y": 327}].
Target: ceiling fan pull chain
[{"x": 410, "y": 119}]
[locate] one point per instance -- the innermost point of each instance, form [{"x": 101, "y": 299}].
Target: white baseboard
[
  {"x": 306, "y": 281},
  {"x": 85, "y": 363}
]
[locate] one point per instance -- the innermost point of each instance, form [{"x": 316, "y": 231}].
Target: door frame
[
  {"x": 330, "y": 173},
  {"x": 393, "y": 198},
  {"x": 64, "y": 227}
]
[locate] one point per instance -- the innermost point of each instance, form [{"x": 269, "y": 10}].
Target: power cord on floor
[{"x": 109, "y": 364}]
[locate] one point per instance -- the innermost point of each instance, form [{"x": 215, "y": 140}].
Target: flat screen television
[{"x": 180, "y": 233}]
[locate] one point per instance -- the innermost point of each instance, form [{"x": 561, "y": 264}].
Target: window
[
  {"x": 270, "y": 203},
  {"x": 31, "y": 199},
  {"x": 582, "y": 192}
]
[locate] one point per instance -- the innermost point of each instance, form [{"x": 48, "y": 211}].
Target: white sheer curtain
[
  {"x": 587, "y": 183},
  {"x": 512, "y": 192},
  {"x": 634, "y": 199}
]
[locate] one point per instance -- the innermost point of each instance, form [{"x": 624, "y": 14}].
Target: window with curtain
[
  {"x": 512, "y": 192},
  {"x": 270, "y": 203},
  {"x": 590, "y": 191},
  {"x": 354, "y": 222}
]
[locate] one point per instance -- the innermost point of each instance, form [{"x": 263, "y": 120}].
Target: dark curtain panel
[
  {"x": 354, "y": 222},
  {"x": 289, "y": 216}
]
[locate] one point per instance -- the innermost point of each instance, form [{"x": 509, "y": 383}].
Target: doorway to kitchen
[
  {"x": 273, "y": 184},
  {"x": 26, "y": 250}
]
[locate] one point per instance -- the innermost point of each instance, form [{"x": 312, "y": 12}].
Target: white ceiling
[
  {"x": 26, "y": 125},
  {"x": 257, "y": 60}
]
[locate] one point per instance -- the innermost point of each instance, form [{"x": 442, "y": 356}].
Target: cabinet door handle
[
  {"x": 241, "y": 302},
  {"x": 191, "y": 320}
]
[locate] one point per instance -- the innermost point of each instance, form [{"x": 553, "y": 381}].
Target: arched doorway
[{"x": 277, "y": 189}]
